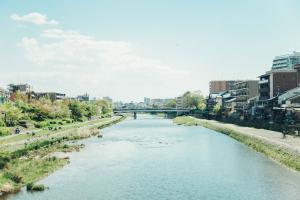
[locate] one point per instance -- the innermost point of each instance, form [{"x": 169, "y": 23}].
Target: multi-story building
[
  {"x": 23, "y": 88},
  {"x": 108, "y": 99},
  {"x": 275, "y": 82},
  {"x": 53, "y": 96},
  {"x": 159, "y": 102},
  {"x": 244, "y": 90},
  {"x": 286, "y": 61},
  {"x": 147, "y": 101},
  {"x": 3, "y": 95},
  {"x": 84, "y": 97},
  {"x": 179, "y": 103},
  {"x": 220, "y": 86}
]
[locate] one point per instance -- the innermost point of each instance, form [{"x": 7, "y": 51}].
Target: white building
[{"x": 287, "y": 61}]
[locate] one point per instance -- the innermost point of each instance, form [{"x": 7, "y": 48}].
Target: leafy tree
[
  {"x": 217, "y": 108},
  {"x": 77, "y": 110},
  {"x": 191, "y": 100},
  {"x": 91, "y": 110},
  {"x": 12, "y": 114},
  {"x": 104, "y": 106},
  {"x": 171, "y": 104},
  {"x": 201, "y": 106},
  {"x": 18, "y": 96}
]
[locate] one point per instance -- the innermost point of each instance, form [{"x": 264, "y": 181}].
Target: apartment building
[
  {"x": 287, "y": 61},
  {"x": 218, "y": 86},
  {"x": 276, "y": 82},
  {"x": 244, "y": 90}
]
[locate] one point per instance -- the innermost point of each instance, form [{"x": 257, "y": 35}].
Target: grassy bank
[
  {"x": 33, "y": 159},
  {"x": 283, "y": 156}
]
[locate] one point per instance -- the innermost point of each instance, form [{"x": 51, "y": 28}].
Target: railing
[{"x": 149, "y": 110}]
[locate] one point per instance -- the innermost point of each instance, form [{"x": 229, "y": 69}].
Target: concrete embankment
[{"x": 285, "y": 151}]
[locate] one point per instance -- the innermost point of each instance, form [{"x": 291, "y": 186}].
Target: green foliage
[
  {"x": 191, "y": 100},
  {"x": 171, "y": 104},
  {"x": 201, "y": 106},
  {"x": 2, "y": 123},
  {"x": 4, "y": 159},
  {"x": 217, "y": 108},
  {"x": 42, "y": 124},
  {"x": 14, "y": 177},
  {"x": 12, "y": 114},
  {"x": 104, "y": 106},
  {"x": 46, "y": 109},
  {"x": 77, "y": 110},
  {"x": 33, "y": 187},
  {"x": 91, "y": 110},
  {"x": 4, "y": 131}
]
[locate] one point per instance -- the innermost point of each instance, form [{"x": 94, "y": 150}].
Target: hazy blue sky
[{"x": 129, "y": 49}]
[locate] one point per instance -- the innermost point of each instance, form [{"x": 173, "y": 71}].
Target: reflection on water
[{"x": 150, "y": 158}]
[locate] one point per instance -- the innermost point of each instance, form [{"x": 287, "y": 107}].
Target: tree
[
  {"x": 12, "y": 114},
  {"x": 192, "y": 100},
  {"x": 201, "y": 106},
  {"x": 91, "y": 110},
  {"x": 104, "y": 106},
  {"x": 77, "y": 110},
  {"x": 171, "y": 104},
  {"x": 15, "y": 96},
  {"x": 217, "y": 108}
]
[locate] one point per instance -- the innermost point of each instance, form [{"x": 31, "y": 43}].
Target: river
[{"x": 151, "y": 159}]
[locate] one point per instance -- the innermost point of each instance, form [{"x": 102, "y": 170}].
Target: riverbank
[
  {"x": 25, "y": 159},
  {"x": 285, "y": 151}
]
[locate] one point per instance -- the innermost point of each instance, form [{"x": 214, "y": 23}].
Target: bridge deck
[{"x": 150, "y": 110}]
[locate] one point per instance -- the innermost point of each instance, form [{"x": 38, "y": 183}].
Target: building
[
  {"x": 159, "y": 102},
  {"x": 179, "y": 103},
  {"x": 220, "y": 86},
  {"x": 244, "y": 90},
  {"x": 108, "y": 99},
  {"x": 3, "y": 95},
  {"x": 23, "y": 88},
  {"x": 287, "y": 61},
  {"x": 290, "y": 98},
  {"x": 53, "y": 96},
  {"x": 276, "y": 82},
  {"x": 147, "y": 101},
  {"x": 84, "y": 97}
]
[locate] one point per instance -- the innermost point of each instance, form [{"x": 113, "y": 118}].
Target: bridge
[{"x": 152, "y": 110}]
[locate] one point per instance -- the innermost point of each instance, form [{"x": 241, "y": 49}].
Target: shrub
[
  {"x": 33, "y": 187},
  {"x": 29, "y": 186},
  {"x": 41, "y": 124},
  {"x": 2, "y": 123},
  {"x": 3, "y": 161},
  {"x": 14, "y": 177},
  {"x": 4, "y": 131},
  {"x": 38, "y": 187}
]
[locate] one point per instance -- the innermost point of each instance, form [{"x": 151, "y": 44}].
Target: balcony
[{"x": 263, "y": 81}]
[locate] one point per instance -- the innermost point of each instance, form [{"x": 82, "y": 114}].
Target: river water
[{"x": 151, "y": 159}]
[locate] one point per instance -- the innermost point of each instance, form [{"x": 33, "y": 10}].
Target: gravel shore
[{"x": 291, "y": 143}]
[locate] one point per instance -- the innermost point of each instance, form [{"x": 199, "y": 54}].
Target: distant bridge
[{"x": 151, "y": 110}]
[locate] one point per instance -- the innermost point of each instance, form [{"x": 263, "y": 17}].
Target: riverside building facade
[{"x": 287, "y": 61}]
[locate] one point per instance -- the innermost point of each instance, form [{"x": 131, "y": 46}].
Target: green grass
[
  {"x": 283, "y": 156},
  {"x": 6, "y": 141}
]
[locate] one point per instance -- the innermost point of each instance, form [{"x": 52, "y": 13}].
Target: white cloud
[
  {"x": 101, "y": 67},
  {"x": 35, "y": 18}
]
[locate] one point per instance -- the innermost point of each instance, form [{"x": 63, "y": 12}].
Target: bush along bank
[
  {"x": 25, "y": 166},
  {"x": 283, "y": 156}
]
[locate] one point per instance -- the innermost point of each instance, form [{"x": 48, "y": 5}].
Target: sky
[{"x": 133, "y": 49}]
